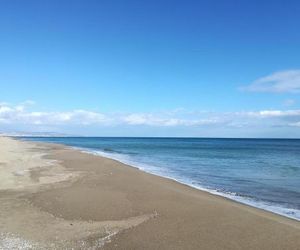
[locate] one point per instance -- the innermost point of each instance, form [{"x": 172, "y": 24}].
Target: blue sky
[{"x": 151, "y": 68}]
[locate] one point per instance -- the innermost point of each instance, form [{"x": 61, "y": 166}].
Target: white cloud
[
  {"x": 26, "y": 116},
  {"x": 18, "y": 114},
  {"x": 273, "y": 113},
  {"x": 152, "y": 120},
  {"x": 287, "y": 81}
]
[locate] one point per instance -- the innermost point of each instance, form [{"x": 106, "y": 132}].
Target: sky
[{"x": 150, "y": 68}]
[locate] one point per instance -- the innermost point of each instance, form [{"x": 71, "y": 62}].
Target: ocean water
[{"x": 263, "y": 173}]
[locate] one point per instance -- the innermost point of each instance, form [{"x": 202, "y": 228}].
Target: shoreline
[
  {"x": 240, "y": 200},
  {"x": 102, "y": 203},
  {"x": 206, "y": 191}
]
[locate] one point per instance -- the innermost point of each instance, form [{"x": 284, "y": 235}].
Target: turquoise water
[{"x": 264, "y": 173}]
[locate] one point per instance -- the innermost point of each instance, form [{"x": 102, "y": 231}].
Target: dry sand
[{"x": 54, "y": 197}]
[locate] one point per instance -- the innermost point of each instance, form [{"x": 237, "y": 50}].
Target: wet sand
[{"x": 54, "y": 197}]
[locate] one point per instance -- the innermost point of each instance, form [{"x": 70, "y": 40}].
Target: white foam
[{"x": 274, "y": 208}]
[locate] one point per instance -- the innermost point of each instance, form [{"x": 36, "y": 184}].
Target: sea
[{"x": 263, "y": 173}]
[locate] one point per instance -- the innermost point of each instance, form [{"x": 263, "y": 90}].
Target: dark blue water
[{"x": 261, "y": 172}]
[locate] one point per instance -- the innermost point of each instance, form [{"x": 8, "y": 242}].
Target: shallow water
[{"x": 264, "y": 173}]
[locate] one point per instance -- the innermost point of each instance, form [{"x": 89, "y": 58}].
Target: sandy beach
[{"x": 55, "y": 197}]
